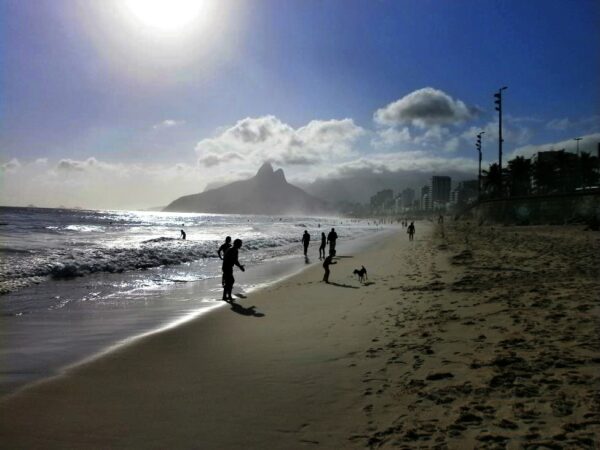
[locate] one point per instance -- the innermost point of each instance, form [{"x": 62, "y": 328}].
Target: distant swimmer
[
  {"x": 328, "y": 261},
  {"x": 229, "y": 260},
  {"x": 331, "y": 238},
  {"x": 305, "y": 241},
  {"x": 411, "y": 231},
  {"x": 322, "y": 247},
  {"x": 224, "y": 247},
  {"x": 183, "y": 235}
]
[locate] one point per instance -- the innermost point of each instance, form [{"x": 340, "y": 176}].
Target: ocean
[{"x": 76, "y": 283}]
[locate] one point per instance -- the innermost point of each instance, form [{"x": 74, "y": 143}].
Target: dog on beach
[{"x": 362, "y": 274}]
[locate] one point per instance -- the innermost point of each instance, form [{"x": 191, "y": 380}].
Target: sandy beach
[{"x": 468, "y": 337}]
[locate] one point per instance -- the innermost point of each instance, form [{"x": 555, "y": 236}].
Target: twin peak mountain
[{"x": 268, "y": 192}]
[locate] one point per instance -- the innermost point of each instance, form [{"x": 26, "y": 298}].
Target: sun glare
[{"x": 166, "y": 15}]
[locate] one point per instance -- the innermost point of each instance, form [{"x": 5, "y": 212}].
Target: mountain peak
[
  {"x": 266, "y": 170},
  {"x": 266, "y": 175},
  {"x": 266, "y": 193},
  {"x": 279, "y": 175}
]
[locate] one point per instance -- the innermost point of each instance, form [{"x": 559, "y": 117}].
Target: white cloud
[
  {"x": 168, "y": 123},
  {"x": 414, "y": 161},
  {"x": 390, "y": 137},
  {"x": 255, "y": 140},
  {"x": 559, "y": 124},
  {"x": 512, "y": 133},
  {"x": 587, "y": 125},
  {"x": 92, "y": 183},
  {"x": 425, "y": 107},
  {"x": 11, "y": 166},
  {"x": 588, "y": 143}
]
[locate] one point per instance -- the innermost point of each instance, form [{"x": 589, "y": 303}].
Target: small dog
[{"x": 362, "y": 274}]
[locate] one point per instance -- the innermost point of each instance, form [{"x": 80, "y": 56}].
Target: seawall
[{"x": 579, "y": 207}]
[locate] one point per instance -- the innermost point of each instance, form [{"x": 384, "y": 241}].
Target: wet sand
[{"x": 482, "y": 338}]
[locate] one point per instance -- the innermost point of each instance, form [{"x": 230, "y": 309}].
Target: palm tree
[
  {"x": 587, "y": 164},
  {"x": 544, "y": 174},
  {"x": 519, "y": 176},
  {"x": 491, "y": 180}
]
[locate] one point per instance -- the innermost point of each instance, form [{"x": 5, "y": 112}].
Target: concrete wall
[{"x": 547, "y": 209}]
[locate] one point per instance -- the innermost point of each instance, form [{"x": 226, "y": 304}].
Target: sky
[{"x": 132, "y": 103}]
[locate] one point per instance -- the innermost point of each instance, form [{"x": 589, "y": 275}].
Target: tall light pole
[
  {"x": 498, "y": 102},
  {"x": 478, "y": 145},
  {"x": 577, "y": 139}
]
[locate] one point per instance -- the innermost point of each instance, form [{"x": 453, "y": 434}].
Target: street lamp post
[
  {"x": 478, "y": 145},
  {"x": 577, "y": 139},
  {"x": 498, "y": 102}
]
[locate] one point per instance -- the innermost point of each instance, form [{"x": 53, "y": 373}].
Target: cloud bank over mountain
[
  {"x": 267, "y": 138},
  {"x": 424, "y": 132}
]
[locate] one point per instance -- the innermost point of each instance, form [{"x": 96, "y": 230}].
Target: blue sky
[{"x": 84, "y": 85}]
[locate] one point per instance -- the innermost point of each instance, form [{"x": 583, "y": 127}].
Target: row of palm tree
[{"x": 552, "y": 172}]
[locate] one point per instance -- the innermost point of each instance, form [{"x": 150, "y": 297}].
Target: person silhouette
[
  {"x": 183, "y": 235},
  {"x": 224, "y": 247},
  {"x": 411, "y": 231},
  {"x": 322, "y": 247},
  {"x": 230, "y": 259},
  {"x": 332, "y": 238},
  {"x": 222, "y": 250},
  {"x": 305, "y": 241},
  {"x": 328, "y": 261}
]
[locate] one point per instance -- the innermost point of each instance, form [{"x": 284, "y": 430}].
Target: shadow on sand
[
  {"x": 249, "y": 311},
  {"x": 368, "y": 283},
  {"x": 342, "y": 285}
]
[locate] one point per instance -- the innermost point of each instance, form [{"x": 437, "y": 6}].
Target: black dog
[{"x": 362, "y": 274}]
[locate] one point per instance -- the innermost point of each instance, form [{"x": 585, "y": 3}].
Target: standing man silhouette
[
  {"x": 411, "y": 231},
  {"x": 305, "y": 241},
  {"x": 224, "y": 247},
  {"x": 331, "y": 238},
  {"x": 322, "y": 247},
  {"x": 229, "y": 260}
]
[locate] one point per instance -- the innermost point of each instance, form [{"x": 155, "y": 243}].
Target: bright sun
[{"x": 166, "y": 15}]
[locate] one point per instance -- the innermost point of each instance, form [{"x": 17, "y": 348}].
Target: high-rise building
[
  {"x": 440, "y": 190},
  {"x": 426, "y": 197},
  {"x": 408, "y": 197}
]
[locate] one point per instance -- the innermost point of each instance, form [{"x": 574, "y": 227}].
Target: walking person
[
  {"x": 411, "y": 231},
  {"x": 305, "y": 241},
  {"x": 182, "y": 234},
  {"x": 230, "y": 259},
  {"x": 331, "y": 238},
  {"x": 322, "y": 247},
  {"x": 328, "y": 261}
]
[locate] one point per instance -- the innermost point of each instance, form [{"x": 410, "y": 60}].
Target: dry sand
[{"x": 483, "y": 338}]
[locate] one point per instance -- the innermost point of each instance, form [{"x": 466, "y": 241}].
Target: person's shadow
[
  {"x": 249, "y": 311},
  {"x": 343, "y": 285}
]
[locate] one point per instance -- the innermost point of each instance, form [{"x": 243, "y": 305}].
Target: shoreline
[
  {"x": 170, "y": 307},
  {"x": 446, "y": 345}
]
